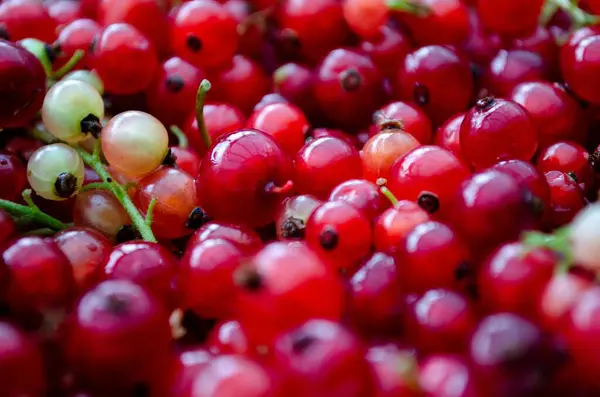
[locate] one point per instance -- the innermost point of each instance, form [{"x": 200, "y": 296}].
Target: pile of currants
[{"x": 299, "y": 198}]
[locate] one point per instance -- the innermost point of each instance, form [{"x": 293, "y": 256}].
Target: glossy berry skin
[
  {"x": 294, "y": 82},
  {"x": 78, "y": 35},
  {"x": 176, "y": 198},
  {"x": 447, "y": 22},
  {"x": 509, "y": 355},
  {"x": 382, "y": 150},
  {"x": 124, "y": 59},
  {"x": 387, "y": 49},
  {"x": 411, "y": 118},
  {"x": 339, "y": 233},
  {"x": 395, "y": 370},
  {"x": 437, "y": 79},
  {"x": 147, "y": 16},
  {"x": 375, "y": 296},
  {"x": 365, "y": 17},
  {"x": 571, "y": 159},
  {"x": 23, "y": 85},
  {"x": 187, "y": 160},
  {"x": 205, "y": 280},
  {"x": 392, "y": 226},
  {"x": 204, "y": 33},
  {"x": 228, "y": 337},
  {"x": 347, "y": 87},
  {"x": 430, "y": 176},
  {"x": 100, "y": 210},
  {"x": 21, "y": 19},
  {"x": 510, "y": 18},
  {"x": 13, "y": 176},
  {"x": 172, "y": 94},
  {"x": 324, "y": 163},
  {"x": 440, "y": 374},
  {"x": 512, "y": 67},
  {"x": 496, "y": 130},
  {"x": 249, "y": 164},
  {"x": 242, "y": 74},
  {"x": 362, "y": 195},
  {"x": 190, "y": 362},
  {"x": 448, "y": 135},
  {"x": 433, "y": 256},
  {"x": 21, "y": 366},
  {"x": 293, "y": 214},
  {"x": 273, "y": 299},
  {"x": 219, "y": 118},
  {"x": 286, "y": 123},
  {"x": 556, "y": 114},
  {"x": 8, "y": 228},
  {"x": 514, "y": 277},
  {"x": 87, "y": 251},
  {"x": 566, "y": 199},
  {"x": 491, "y": 208},
  {"x": 318, "y": 26},
  {"x": 322, "y": 359},
  {"x": 579, "y": 66},
  {"x": 149, "y": 265},
  {"x": 243, "y": 237},
  {"x": 559, "y": 297},
  {"x": 441, "y": 321},
  {"x": 118, "y": 336},
  {"x": 40, "y": 276}
]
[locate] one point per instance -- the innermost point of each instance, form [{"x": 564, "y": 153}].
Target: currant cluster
[{"x": 299, "y": 198}]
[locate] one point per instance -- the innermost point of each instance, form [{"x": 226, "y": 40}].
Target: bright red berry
[{"x": 510, "y": 17}]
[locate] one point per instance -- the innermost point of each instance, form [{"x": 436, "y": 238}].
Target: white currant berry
[
  {"x": 585, "y": 237},
  {"x": 87, "y": 76}
]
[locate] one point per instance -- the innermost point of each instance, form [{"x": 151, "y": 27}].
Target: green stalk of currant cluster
[
  {"x": 578, "y": 16},
  {"x": 31, "y": 213},
  {"x": 200, "y": 101},
  {"x": 558, "y": 241}
]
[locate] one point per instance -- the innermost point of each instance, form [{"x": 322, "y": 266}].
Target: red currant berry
[
  {"x": 272, "y": 98},
  {"x": 285, "y": 122},
  {"x": 322, "y": 359},
  {"x": 543, "y": 43},
  {"x": 314, "y": 27},
  {"x": 559, "y": 297},
  {"x": 186, "y": 159},
  {"x": 481, "y": 45},
  {"x": 382, "y": 150},
  {"x": 491, "y": 208},
  {"x": 376, "y": 297},
  {"x": 13, "y": 176},
  {"x": 366, "y": 16},
  {"x": 124, "y": 59},
  {"x": 219, "y": 118},
  {"x": 529, "y": 178},
  {"x": 8, "y": 227},
  {"x": 566, "y": 199},
  {"x": 244, "y": 238},
  {"x": 22, "y": 146},
  {"x": 204, "y": 33},
  {"x": 348, "y": 88},
  {"x": 437, "y": 79},
  {"x": 20, "y": 19},
  {"x": 580, "y": 65},
  {"x": 190, "y": 363},
  {"x": 171, "y": 96},
  {"x": 512, "y": 67},
  {"x": 21, "y": 366},
  {"x": 293, "y": 216},
  {"x": 324, "y": 163},
  {"x": 441, "y": 321},
  {"x": 249, "y": 164},
  {"x": 448, "y": 135},
  {"x": 510, "y": 17},
  {"x": 118, "y": 338},
  {"x": 294, "y": 82},
  {"x": 23, "y": 85},
  {"x": 87, "y": 251},
  {"x": 176, "y": 200},
  {"x": 147, "y": 264},
  {"x": 228, "y": 338},
  {"x": 100, "y": 210},
  {"x": 571, "y": 159},
  {"x": 439, "y": 374},
  {"x": 514, "y": 278},
  {"x": 411, "y": 119},
  {"x": 81, "y": 34},
  {"x": 64, "y": 12},
  {"x": 496, "y": 130},
  {"x": 340, "y": 233},
  {"x": 245, "y": 76},
  {"x": 362, "y": 195},
  {"x": 430, "y": 176},
  {"x": 387, "y": 49},
  {"x": 273, "y": 298},
  {"x": 392, "y": 226},
  {"x": 147, "y": 16},
  {"x": 205, "y": 281},
  {"x": 556, "y": 114},
  {"x": 395, "y": 371}
]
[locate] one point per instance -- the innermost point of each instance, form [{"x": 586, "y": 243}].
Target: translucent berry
[
  {"x": 362, "y": 195},
  {"x": 100, "y": 210},
  {"x": 382, "y": 150},
  {"x": 293, "y": 216},
  {"x": 394, "y": 224}
]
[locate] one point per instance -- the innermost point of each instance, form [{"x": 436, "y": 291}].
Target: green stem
[
  {"x": 381, "y": 182},
  {"x": 94, "y": 161},
  {"x": 181, "y": 137},
  {"x": 408, "y": 6},
  {"x": 94, "y": 186},
  {"x": 200, "y": 101},
  {"x": 578, "y": 16},
  {"x": 150, "y": 213},
  {"x": 67, "y": 67},
  {"x": 31, "y": 212},
  {"x": 558, "y": 242}
]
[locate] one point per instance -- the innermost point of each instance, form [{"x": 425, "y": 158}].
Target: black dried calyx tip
[
  {"x": 594, "y": 160},
  {"x": 4, "y": 33},
  {"x": 351, "y": 80},
  {"x": 52, "y": 51},
  {"x": 329, "y": 239},
  {"x": 485, "y": 102},
  {"x": 174, "y": 83},
  {"x": 197, "y": 218},
  {"x": 248, "y": 278},
  {"x": 127, "y": 233},
  {"x": 293, "y": 228},
  {"x": 91, "y": 124},
  {"x": 302, "y": 342},
  {"x": 170, "y": 159},
  {"x": 65, "y": 185},
  {"x": 429, "y": 202}
]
